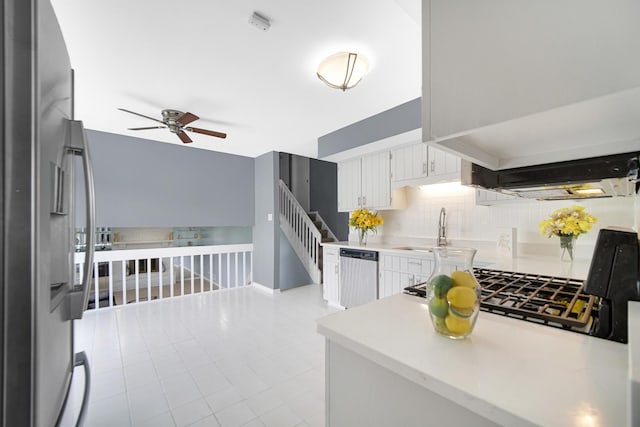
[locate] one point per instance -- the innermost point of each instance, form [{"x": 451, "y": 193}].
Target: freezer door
[
  {"x": 54, "y": 233},
  {"x": 37, "y": 338}
]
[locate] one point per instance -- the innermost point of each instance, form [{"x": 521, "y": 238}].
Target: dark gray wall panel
[
  {"x": 323, "y": 183},
  {"x": 145, "y": 183},
  {"x": 265, "y": 232},
  {"x": 397, "y": 120}
]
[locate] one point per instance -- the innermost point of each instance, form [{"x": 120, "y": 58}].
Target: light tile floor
[{"x": 239, "y": 357}]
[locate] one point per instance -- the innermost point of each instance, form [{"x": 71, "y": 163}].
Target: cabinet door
[
  {"x": 331, "y": 275},
  {"x": 376, "y": 180},
  {"x": 496, "y": 60},
  {"x": 443, "y": 164},
  {"x": 349, "y": 185},
  {"x": 385, "y": 283},
  {"x": 409, "y": 162}
]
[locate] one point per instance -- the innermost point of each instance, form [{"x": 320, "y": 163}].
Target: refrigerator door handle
[
  {"x": 81, "y": 359},
  {"x": 79, "y": 297}
]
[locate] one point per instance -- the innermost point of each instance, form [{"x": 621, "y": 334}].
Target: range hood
[{"x": 605, "y": 176}]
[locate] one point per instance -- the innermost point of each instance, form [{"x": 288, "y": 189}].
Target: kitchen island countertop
[{"x": 509, "y": 371}]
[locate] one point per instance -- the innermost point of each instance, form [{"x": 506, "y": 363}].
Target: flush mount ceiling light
[{"x": 343, "y": 70}]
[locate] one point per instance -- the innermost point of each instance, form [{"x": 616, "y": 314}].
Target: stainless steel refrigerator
[{"x": 39, "y": 298}]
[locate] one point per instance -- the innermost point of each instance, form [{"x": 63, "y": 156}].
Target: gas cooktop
[{"x": 552, "y": 301}]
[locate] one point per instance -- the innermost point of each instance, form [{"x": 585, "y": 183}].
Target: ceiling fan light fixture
[{"x": 343, "y": 70}]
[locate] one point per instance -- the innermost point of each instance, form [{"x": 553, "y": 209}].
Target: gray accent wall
[
  {"x": 292, "y": 272},
  {"x": 402, "y": 118},
  {"x": 266, "y": 233},
  {"x": 145, "y": 183}
]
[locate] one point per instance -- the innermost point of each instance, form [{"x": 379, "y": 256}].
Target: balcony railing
[{"x": 131, "y": 276}]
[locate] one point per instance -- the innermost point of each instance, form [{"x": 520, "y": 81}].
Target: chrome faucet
[{"x": 442, "y": 228}]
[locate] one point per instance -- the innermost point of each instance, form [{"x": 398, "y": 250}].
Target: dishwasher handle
[{"x": 359, "y": 254}]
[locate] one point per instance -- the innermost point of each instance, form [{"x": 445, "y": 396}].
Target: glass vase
[
  {"x": 567, "y": 244},
  {"x": 454, "y": 292},
  {"x": 362, "y": 237}
]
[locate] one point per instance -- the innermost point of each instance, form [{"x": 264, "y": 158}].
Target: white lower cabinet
[
  {"x": 396, "y": 272},
  {"x": 331, "y": 274}
]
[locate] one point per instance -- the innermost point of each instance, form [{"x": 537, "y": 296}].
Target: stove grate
[
  {"x": 553, "y": 301},
  {"x": 549, "y": 299}
]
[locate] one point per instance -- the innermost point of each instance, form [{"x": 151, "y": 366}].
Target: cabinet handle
[
  {"x": 359, "y": 201},
  {"x": 364, "y": 201},
  {"x": 424, "y": 167},
  {"x": 433, "y": 165}
]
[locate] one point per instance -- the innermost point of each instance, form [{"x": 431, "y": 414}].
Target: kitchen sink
[{"x": 413, "y": 248}]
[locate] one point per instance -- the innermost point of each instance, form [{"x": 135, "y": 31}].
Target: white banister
[
  {"x": 139, "y": 275},
  {"x": 302, "y": 234}
]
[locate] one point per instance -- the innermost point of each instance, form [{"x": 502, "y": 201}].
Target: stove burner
[{"x": 553, "y": 301}]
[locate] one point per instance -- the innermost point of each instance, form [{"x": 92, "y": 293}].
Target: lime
[
  {"x": 439, "y": 307},
  {"x": 440, "y": 325},
  {"x": 463, "y": 278},
  {"x": 461, "y": 297},
  {"x": 441, "y": 284},
  {"x": 457, "y": 325}
]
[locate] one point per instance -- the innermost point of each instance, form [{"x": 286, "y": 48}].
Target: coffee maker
[{"x": 614, "y": 276}]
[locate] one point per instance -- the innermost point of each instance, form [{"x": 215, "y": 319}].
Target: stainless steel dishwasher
[{"x": 358, "y": 277}]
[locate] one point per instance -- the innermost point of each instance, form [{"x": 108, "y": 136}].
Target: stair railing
[{"x": 301, "y": 232}]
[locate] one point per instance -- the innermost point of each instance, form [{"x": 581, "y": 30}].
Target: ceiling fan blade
[
  {"x": 149, "y": 127},
  {"x": 141, "y": 115},
  {"x": 207, "y": 132},
  {"x": 187, "y": 118},
  {"x": 184, "y": 137}
]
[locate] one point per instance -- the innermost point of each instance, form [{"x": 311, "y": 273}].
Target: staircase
[{"x": 305, "y": 232}]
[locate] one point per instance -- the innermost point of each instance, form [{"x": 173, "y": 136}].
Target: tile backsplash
[{"x": 470, "y": 222}]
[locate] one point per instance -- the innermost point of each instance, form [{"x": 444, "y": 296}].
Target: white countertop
[
  {"x": 544, "y": 265},
  {"x": 512, "y": 372}
]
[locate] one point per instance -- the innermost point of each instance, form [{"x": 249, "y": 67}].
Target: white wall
[{"x": 466, "y": 221}]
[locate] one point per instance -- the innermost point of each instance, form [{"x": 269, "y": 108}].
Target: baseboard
[
  {"x": 335, "y": 305},
  {"x": 263, "y": 288}
]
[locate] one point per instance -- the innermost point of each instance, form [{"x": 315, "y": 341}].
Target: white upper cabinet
[
  {"x": 349, "y": 185},
  {"x": 409, "y": 162},
  {"x": 376, "y": 180},
  {"x": 418, "y": 164},
  {"x": 443, "y": 165},
  {"x": 514, "y": 82},
  {"x": 365, "y": 182}
]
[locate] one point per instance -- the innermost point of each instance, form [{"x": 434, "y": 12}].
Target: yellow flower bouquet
[
  {"x": 568, "y": 224},
  {"x": 364, "y": 220}
]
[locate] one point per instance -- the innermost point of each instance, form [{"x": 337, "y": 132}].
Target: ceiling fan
[{"x": 177, "y": 122}]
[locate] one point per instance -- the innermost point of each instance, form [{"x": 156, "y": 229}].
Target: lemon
[
  {"x": 463, "y": 278},
  {"x": 457, "y": 325},
  {"x": 462, "y": 297},
  {"x": 439, "y": 307},
  {"x": 441, "y": 284}
]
